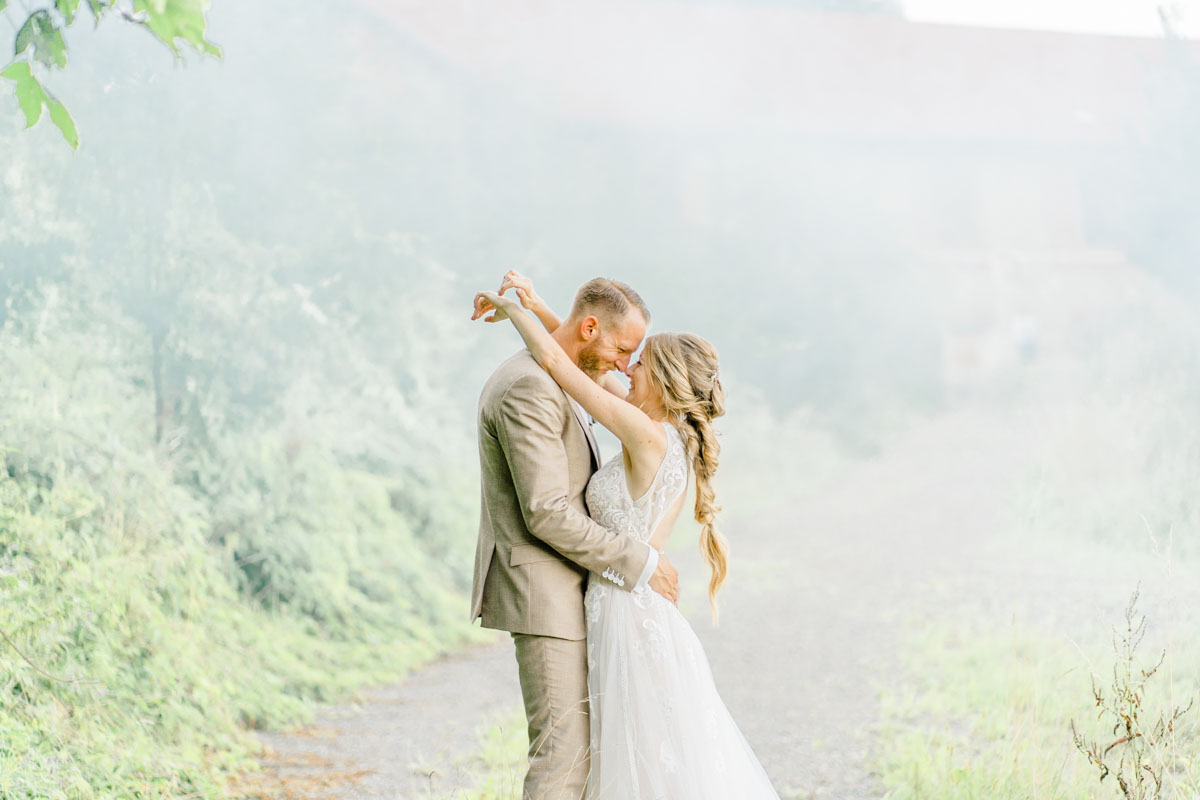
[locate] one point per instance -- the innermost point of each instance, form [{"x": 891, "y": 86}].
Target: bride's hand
[
  {"x": 524, "y": 286},
  {"x": 487, "y": 302}
]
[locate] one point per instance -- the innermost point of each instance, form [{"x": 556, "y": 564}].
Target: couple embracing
[{"x": 618, "y": 693}]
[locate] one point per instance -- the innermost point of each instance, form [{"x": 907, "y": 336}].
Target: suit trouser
[{"x": 554, "y": 686}]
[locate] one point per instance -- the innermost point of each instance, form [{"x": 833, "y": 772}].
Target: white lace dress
[{"x": 659, "y": 730}]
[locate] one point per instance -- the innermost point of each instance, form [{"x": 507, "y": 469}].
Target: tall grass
[
  {"x": 499, "y": 762},
  {"x": 1145, "y": 750},
  {"x": 988, "y": 715}
]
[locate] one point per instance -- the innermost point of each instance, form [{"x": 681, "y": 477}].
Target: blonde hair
[{"x": 681, "y": 369}]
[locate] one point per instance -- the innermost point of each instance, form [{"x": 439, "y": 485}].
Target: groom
[{"x": 536, "y": 541}]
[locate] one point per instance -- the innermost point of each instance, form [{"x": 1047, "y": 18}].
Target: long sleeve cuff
[{"x": 648, "y": 570}]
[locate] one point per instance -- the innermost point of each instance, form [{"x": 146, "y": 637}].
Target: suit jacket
[{"x": 536, "y": 540}]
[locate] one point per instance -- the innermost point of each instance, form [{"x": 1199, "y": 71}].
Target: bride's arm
[
  {"x": 639, "y": 433},
  {"x": 532, "y": 301},
  {"x": 613, "y": 384}
]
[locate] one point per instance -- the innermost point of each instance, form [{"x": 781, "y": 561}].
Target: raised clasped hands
[
  {"x": 524, "y": 288},
  {"x": 486, "y": 302}
]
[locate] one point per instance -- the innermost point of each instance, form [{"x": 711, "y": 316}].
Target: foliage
[
  {"x": 133, "y": 664},
  {"x": 232, "y": 485},
  {"x": 40, "y": 43},
  {"x": 501, "y": 760},
  {"x": 1143, "y": 754},
  {"x": 987, "y": 716}
]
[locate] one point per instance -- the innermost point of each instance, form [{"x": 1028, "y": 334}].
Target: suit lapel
[{"x": 580, "y": 417}]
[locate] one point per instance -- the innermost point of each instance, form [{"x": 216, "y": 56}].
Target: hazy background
[
  {"x": 247, "y": 295},
  {"x": 831, "y": 220}
]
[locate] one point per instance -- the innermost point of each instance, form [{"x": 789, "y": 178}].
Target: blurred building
[
  {"x": 1000, "y": 125},
  {"x": 1003, "y": 157}
]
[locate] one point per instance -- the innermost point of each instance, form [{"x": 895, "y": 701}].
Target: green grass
[
  {"x": 134, "y": 669},
  {"x": 988, "y": 714},
  {"x": 497, "y": 767}
]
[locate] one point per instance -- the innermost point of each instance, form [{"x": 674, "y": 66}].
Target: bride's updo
[{"x": 682, "y": 370}]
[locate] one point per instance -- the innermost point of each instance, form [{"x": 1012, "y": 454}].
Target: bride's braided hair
[{"x": 682, "y": 370}]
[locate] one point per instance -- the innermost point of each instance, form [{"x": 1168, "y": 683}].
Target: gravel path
[
  {"x": 834, "y": 577},
  {"x": 411, "y": 740},
  {"x": 819, "y": 588}
]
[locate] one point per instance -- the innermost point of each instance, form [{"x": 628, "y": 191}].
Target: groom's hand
[{"x": 665, "y": 580}]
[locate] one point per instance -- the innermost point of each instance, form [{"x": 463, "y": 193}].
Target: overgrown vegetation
[
  {"x": 161, "y": 595},
  {"x": 1143, "y": 754},
  {"x": 1112, "y": 500},
  {"x": 988, "y": 715},
  {"x": 231, "y": 482}
]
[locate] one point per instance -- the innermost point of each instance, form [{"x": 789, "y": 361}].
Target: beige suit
[{"x": 536, "y": 546}]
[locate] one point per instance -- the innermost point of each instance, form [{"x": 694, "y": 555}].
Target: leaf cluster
[{"x": 40, "y": 45}]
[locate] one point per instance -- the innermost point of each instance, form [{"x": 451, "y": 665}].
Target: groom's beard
[{"x": 591, "y": 363}]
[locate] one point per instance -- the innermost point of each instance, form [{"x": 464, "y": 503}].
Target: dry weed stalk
[{"x": 1142, "y": 751}]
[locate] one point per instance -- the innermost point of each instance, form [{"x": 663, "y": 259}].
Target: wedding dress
[{"x": 659, "y": 730}]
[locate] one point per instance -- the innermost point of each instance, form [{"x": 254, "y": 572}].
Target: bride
[{"x": 659, "y": 730}]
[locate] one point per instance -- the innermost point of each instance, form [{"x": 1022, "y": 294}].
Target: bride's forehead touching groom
[
  {"x": 614, "y": 678},
  {"x": 607, "y": 325}
]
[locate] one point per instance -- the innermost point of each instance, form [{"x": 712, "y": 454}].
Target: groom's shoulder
[{"x": 520, "y": 372}]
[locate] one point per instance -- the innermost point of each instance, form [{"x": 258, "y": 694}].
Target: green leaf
[
  {"x": 25, "y": 36},
  {"x": 98, "y": 8},
  {"x": 45, "y": 37},
  {"x": 62, "y": 119},
  {"x": 3, "y": 4},
  {"x": 30, "y": 94},
  {"x": 67, "y": 8},
  {"x": 172, "y": 20},
  {"x": 16, "y": 71}
]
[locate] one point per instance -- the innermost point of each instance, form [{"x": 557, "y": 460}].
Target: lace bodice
[{"x": 610, "y": 503}]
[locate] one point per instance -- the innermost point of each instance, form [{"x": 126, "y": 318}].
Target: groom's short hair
[{"x": 608, "y": 300}]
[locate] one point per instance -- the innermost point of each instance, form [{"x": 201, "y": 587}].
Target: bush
[{"x": 158, "y": 603}]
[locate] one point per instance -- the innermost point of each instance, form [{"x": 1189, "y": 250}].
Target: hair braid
[
  {"x": 683, "y": 368},
  {"x": 713, "y": 547}
]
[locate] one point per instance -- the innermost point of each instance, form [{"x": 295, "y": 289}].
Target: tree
[{"x": 40, "y": 45}]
